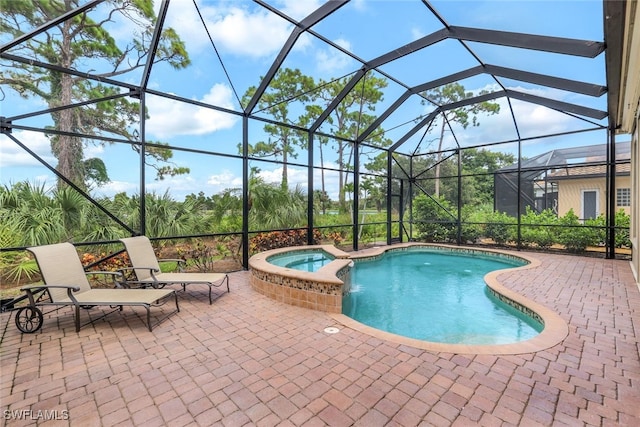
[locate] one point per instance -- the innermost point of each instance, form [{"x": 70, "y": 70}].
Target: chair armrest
[
  {"x": 137, "y": 284},
  {"x": 123, "y": 270},
  {"x": 127, "y": 282},
  {"x": 31, "y": 288},
  {"x": 178, "y": 260},
  {"x": 180, "y": 263},
  {"x": 39, "y": 288},
  {"x": 112, "y": 273},
  {"x": 116, "y": 276}
]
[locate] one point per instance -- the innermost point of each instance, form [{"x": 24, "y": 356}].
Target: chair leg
[
  {"x": 148, "y": 307},
  {"x": 77, "y": 317}
]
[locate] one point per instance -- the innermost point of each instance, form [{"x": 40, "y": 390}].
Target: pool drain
[{"x": 331, "y": 330}]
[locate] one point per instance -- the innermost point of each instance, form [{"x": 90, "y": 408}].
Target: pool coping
[
  {"x": 325, "y": 274},
  {"x": 555, "y": 328}
]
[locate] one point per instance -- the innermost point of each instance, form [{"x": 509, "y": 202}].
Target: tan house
[
  {"x": 564, "y": 179},
  {"x": 584, "y": 189}
]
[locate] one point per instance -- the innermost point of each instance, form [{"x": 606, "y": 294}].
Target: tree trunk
[
  {"x": 324, "y": 204},
  {"x": 285, "y": 178},
  {"x": 341, "y": 180},
  {"x": 67, "y": 149},
  {"x": 438, "y": 158}
]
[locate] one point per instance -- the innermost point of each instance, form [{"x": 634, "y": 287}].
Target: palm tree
[
  {"x": 273, "y": 207},
  {"x": 40, "y": 220}
]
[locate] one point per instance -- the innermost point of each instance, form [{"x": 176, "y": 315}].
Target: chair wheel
[{"x": 29, "y": 319}]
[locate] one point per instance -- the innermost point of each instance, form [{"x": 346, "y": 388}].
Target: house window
[{"x": 623, "y": 197}]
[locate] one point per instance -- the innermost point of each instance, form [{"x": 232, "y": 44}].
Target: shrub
[
  {"x": 470, "y": 233},
  {"x": 435, "y": 219},
  {"x": 201, "y": 256},
  {"x": 501, "y": 228},
  {"x": 623, "y": 222},
  {"x": 373, "y": 228},
  {"x": 576, "y": 237},
  {"x": 472, "y": 218},
  {"x": 336, "y": 236},
  {"x": 336, "y": 227},
  {"x": 112, "y": 264},
  {"x": 17, "y": 268},
  {"x": 282, "y": 239},
  {"x": 92, "y": 262},
  {"x": 599, "y": 227},
  {"x": 538, "y": 229}
]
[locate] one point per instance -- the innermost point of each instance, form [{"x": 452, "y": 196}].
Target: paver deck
[{"x": 249, "y": 360}]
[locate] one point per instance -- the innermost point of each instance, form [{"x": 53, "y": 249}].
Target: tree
[
  {"x": 38, "y": 218},
  {"x": 375, "y": 187},
  {"x": 370, "y": 190},
  {"x": 273, "y": 207},
  {"x": 349, "y": 118},
  {"x": 71, "y": 45},
  {"x": 287, "y": 85},
  {"x": 321, "y": 200},
  {"x": 483, "y": 164},
  {"x": 435, "y": 218},
  {"x": 465, "y": 116}
]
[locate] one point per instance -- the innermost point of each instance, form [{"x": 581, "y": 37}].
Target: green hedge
[{"x": 436, "y": 221}]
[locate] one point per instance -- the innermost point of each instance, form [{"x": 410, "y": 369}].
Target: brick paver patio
[{"x": 248, "y": 360}]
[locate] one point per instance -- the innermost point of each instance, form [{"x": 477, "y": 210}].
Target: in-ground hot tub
[{"x": 313, "y": 277}]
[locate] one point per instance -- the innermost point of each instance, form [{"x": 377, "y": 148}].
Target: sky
[{"x": 240, "y": 40}]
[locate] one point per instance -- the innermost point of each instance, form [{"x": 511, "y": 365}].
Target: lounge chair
[
  {"x": 67, "y": 284},
  {"x": 146, "y": 267}
]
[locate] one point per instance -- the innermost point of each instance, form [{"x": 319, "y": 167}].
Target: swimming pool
[
  {"x": 438, "y": 296},
  {"x": 327, "y": 288}
]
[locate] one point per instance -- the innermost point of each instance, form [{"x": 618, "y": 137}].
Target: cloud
[
  {"x": 176, "y": 186},
  {"x": 331, "y": 60},
  {"x": 180, "y": 186},
  {"x": 360, "y": 4},
  {"x": 114, "y": 187},
  {"x": 298, "y": 177},
  {"x": 172, "y": 118},
  {"x": 225, "y": 179},
  {"x": 532, "y": 120},
  {"x": 300, "y": 9},
  {"x": 14, "y": 155},
  {"x": 93, "y": 151},
  {"x": 417, "y": 33},
  {"x": 234, "y": 29},
  {"x": 274, "y": 176}
]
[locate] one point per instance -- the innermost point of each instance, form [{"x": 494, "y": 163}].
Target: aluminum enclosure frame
[{"x": 614, "y": 11}]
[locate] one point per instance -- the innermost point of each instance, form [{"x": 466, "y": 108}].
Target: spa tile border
[{"x": 320, "y": 290}]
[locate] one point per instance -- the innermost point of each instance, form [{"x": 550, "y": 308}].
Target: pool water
[
  {"x": 304, "y": 261},
  {"x": 436, "y": 296}
]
